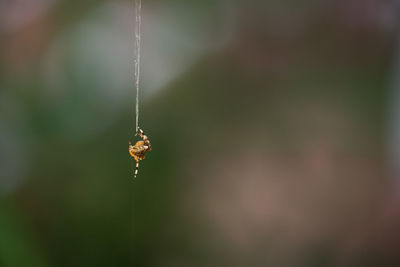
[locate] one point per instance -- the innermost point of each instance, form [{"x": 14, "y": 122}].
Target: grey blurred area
[{"x": 274, "y": 127}]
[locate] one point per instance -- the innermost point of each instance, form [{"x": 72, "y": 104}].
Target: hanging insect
[{"x": 139, "y": 150}]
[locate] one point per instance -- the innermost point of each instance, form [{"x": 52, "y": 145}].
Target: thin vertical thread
[{"x": 138, "y": 10}]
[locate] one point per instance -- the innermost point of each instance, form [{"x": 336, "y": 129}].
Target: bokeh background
[{"x": 275, "y": 128}]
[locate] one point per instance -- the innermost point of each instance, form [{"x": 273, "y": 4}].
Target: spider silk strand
[{"x": 138, "y": 15}]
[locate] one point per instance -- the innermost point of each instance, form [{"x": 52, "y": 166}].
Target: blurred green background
[{"x": 275, "y": 128}]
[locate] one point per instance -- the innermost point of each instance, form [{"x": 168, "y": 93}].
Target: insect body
[{"x": 138, "y": 151}]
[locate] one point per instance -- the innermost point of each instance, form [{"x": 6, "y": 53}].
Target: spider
[{"x": 139, "y": 150}]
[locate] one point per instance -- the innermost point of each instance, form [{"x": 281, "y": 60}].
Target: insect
[{"x": 139, "y": 150}]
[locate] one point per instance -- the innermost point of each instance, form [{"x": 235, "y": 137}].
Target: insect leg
[
  {"x": 145, "y": 138},
  {"x": 141, "y": 134},
  {"x": 137, "y": 168}
]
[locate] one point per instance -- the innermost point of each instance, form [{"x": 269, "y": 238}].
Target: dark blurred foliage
[{"x": 270, "y": 124}]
